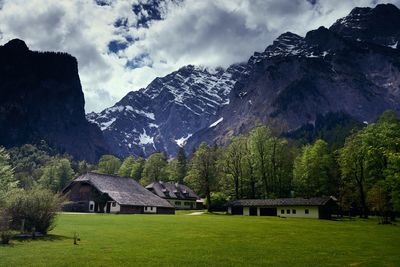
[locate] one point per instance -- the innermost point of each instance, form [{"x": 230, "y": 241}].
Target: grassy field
[{"x": 207, "y": 240}]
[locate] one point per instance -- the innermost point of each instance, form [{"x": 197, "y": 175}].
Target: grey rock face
[
  {"x": 41, "y": 99},
  {"x": 297, "y": 79},
  {"x": 165, "y": 114}
]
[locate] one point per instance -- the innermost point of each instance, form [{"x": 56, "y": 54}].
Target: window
[
  {"x": 288, "y": 211},
  {"x": 114, "y": 204},
  {"x": 187, "y": 203},
  {"x": 178, "y": 203},
  {"x": 293, "y": 211},
  {"x": 91, "y": 207},
  {"x": 282, "y": 211},
  {"x": 306, "y": 211}
]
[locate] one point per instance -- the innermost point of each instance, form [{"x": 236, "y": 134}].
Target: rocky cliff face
[
  {"x": 375, "y": 25},
  {"x": 342, "y": 70},
  {"x": 351, "y": 69},
  {"x": 41, "y": 99},
  {"x": 165, "y": 114}
]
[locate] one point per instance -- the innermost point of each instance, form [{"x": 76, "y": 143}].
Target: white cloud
[{"x": 207, "y": 32}]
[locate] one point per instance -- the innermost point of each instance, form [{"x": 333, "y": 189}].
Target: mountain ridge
[{"x": 294, "y": 81}]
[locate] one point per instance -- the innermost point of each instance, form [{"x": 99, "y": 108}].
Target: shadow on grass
[
  {"x": 42, "y": 238},
  {"x": 216, "y": 213}
]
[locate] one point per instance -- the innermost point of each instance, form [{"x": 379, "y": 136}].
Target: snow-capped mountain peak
[{"x": 165, "y": 114}]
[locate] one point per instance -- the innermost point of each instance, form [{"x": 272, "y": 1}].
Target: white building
[
  {"x": 318, "y": 207},
  {"x": 179, "y": 195}
]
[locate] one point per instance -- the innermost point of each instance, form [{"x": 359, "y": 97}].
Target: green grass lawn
[{"x": 208, "y": 240}]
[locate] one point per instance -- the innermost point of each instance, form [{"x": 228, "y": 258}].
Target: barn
[
  {"x": 103, "y": 193},
  {"x": 317, "y": 207}
]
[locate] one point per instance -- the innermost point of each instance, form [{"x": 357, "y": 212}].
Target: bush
[
  {"x": 6, "y": 236},
  {"x": 34, "y": 209},
  {"x": 5, "y": 233},
  {"x": 218, "y": 200}
]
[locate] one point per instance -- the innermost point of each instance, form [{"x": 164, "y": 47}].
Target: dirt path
[{"x": 196, "y": 213}]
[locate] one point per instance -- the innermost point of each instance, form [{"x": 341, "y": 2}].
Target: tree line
[{"x": 363, "y": 172}]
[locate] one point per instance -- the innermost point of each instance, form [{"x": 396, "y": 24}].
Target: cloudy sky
[{"x": 122, "y": 45}]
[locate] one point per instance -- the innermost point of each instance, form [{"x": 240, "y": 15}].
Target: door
[
  {"x": 237, "y": 210},
  {"x": 96, "y": 207},
  {"x": 108, "y": 207},
  {"x": 268, "y": 212},
  {"x": 253, "y": 211}
]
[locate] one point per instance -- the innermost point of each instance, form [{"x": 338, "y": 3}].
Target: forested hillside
[{"x": 363, "y": 173}]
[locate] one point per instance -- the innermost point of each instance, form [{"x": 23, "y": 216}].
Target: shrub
[
  {"x": 35, "y": 209},
  {"x": 5, "y": 233},
  {"x": 218, "y": 200}
]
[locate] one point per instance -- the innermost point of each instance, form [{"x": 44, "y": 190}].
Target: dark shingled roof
[
  {"x": 172, "y": 190},
  {"x": 124, "y": 191},
  {"x": 315, "y": 201}
]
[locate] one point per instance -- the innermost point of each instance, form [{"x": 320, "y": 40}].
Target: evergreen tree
[{"x": 181, "y": 165}]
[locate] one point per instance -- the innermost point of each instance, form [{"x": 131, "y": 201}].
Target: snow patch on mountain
[
  {"x": 105, "y": 125},
  {"x": 145, "y": 139},
  {"x": 182, "y": 141},
  {"x": 177, "y": 105},
  {"x": 216, "y": 123}
]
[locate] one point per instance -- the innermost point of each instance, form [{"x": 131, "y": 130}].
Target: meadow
[{"x": 207, "y": 240}]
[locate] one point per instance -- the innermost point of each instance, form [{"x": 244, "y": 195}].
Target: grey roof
[
  {"x": 315, "y": 201},
  {"x": 172, "y": 190},
  {"x": 125, "y": 191}
]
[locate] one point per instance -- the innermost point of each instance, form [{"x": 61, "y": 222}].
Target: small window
[
  {"x": 306, "y": 211},
  {"x": 288, "y": 211},
  {"x": 178, "y": 203},
  {"x": 151, "y": 208},
  {"x": 293, "y": 211},
  {"x": 114, "y": 204},
  {"x": 282, "y": 211},
  {"x": 91, "y": 207}
]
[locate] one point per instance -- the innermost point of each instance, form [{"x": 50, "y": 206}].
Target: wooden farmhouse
[
  {"x": 179, "y": 195},
  {"x": 318, "y": 207},
  {"x": 94, "y": 192}
]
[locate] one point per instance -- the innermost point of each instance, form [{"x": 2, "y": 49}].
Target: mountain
[
  {"x": 297, "y": 80},
  {"x": 348, "y": 73},
  {"x": 41, "y": 99},
  {"x": 377, "y": 25},
  {"x": 165, "y": 114}
]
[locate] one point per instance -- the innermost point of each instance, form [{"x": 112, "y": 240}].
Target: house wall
[
  {"x": 115, "y": 209},
  {"x": 150, "y": 210},
  {"x": 246, "y": 211},
  {"x": 184, "y": 204},
  {"x": 313, "y": 211},
  {"x": 164, "y": 210},
  {"x": 300, "y": 212},
  {"x": 91, "y": 205},
  {"x": 79, "y": 192},
  {"x": 125, "y": 209}
]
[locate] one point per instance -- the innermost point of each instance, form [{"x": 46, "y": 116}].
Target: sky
[{"x": 122, "y": 45}]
